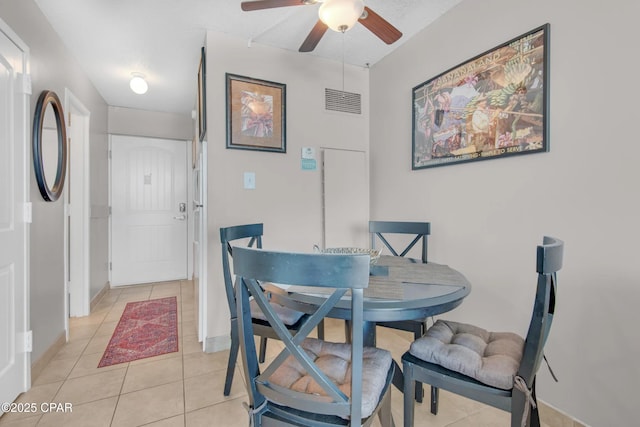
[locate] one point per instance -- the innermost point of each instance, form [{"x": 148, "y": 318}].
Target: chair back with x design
[
  {"x": 421, "y": 230},
  {"x": 271, "y": 391},
  {"x": 253, "y": 232}
]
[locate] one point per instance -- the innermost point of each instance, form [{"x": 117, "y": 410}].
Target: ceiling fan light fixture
[
  {"x": 138, "y": 84},
  {"x": 341, "y": 15}
]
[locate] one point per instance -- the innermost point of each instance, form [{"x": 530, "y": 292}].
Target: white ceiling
[{"x": 162, "y": 39}]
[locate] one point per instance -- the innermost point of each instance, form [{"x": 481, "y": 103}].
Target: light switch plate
[{"x": 250, "y": 180}]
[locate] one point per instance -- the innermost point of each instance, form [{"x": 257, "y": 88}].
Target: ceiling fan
[{"x": 339, "y": 15}]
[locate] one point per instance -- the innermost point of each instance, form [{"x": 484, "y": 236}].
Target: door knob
[{"x": 180, "y": 217}]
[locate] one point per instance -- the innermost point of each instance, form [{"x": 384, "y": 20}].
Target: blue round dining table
[{"x": 399, "y": 289}]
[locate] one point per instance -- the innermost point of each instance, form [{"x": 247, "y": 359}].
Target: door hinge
[
  {"x": 110, "y": 210},
  {"x": 110, "y": 266},
  {"x": 109, "y": 153},
  {"x": 69, "y": 120},
  {"x": 24, "y": 83},
  {"x": 28, "y": 213},
  {"x": 28, "y": 342}
]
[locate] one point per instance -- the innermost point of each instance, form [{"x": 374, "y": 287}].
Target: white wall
[
  {"x": 153, "y": 124},
  {"x": 488, "y": 216},
  {"x": 53, "y": 68},
  {"x": 286, "y": 199}
]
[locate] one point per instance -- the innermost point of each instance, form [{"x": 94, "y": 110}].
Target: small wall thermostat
[{"x": 308, "y": 153}]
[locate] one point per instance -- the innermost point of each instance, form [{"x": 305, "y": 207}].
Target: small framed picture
[{"x": 256, "y": 114}]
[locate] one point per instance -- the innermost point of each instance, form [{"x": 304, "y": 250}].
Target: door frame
[
  {"x": 78, "y": 300},
  {"x": 204, "y": 245}
]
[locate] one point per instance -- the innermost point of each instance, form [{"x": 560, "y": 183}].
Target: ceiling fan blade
[
  {"x": 269, "y": 4},
  {"x": 379, "y": 26},
  {"x": 314, "y": 37}
]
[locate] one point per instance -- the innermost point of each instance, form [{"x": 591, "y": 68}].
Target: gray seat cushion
[
  {"x": 334, "y": 359},
  {"x": 288, "y": 316},
  {"x": 492, "y": 358}
]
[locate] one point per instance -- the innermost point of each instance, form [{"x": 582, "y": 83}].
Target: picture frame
[
  {"x": 202, "y": 96},
  {"x": 491, "y": 106},
  {"x": 256, "y": 114}
]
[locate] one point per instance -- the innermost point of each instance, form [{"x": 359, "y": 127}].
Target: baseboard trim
[
  {"x": 98, "y": 297},
  {"x": 555, "y": 417},
  {"x": 38, "y": 366},
  {"x": 214, "y": 344}
]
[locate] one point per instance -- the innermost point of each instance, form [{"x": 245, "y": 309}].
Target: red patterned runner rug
[{"x": 146, "y": 329}]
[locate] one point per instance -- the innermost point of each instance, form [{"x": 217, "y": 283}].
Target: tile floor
[{"x": 183, "y": 388}]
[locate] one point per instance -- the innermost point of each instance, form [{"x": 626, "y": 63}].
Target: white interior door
[
  {"x": 346, "y": 198},
  {"x": 149, "y": 210},
  {"x": 14, "y": 357}
]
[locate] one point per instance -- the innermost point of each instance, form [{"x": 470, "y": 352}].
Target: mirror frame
[{"x": 48, "y": 193}]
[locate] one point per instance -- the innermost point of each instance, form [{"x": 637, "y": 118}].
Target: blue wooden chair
[
  {"x": 311, "y": 382},
  {"x": 291, "y": 318},
  {"x": 416, "y": 232},
  {"x": 496, "y": 368}
]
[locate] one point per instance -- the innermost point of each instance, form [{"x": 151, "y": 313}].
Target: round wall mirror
[{"x": 49, "y": 146}]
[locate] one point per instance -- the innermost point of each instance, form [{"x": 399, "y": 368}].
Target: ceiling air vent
[{"x": 345, "y": 102}]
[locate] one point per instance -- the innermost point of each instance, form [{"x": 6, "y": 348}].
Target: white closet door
[{"x": 346, "y": 198}]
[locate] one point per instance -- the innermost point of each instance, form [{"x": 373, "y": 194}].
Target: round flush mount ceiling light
[
  {"x": 341, "y": 15},
  {"x": 138, "y": 84}
]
